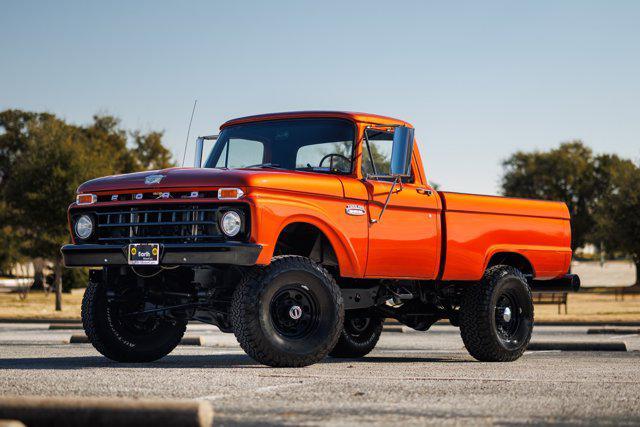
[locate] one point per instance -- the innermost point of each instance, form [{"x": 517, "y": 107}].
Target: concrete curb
[
  {"x": 567, "y": 323},
  {"x": 394, "y": 326},
  {"x": 59, "y": 411},
  {"x": 58, "y": 326},
  {"x": 38, "y": 321},
  {"x": 79, "y": 339},
  {"x": 561, "y": 323},
  {"x": 577, "y": 346},
  {"x": 192, "y": 340},
  {"x": 615, "y": 331},
  {"x": 186, "y": 340}
]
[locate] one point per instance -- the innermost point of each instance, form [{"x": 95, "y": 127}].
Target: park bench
[
  {"x": 551, "y": 298},
  {"x": 621, "y": 291}
]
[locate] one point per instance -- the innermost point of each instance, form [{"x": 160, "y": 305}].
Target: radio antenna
[{"x": 186, "y": 143}]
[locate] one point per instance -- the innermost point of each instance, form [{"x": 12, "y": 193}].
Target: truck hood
[{"x": 199, "y": 178}]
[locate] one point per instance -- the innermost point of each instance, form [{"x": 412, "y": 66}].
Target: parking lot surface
[{"x": 410, "y": 379}]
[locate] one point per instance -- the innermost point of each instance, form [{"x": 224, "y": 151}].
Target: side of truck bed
[{"x": 477, "y": 229}]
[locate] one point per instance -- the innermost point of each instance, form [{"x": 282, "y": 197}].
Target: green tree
[
  {"x": 109, "y": 141},
  {"x": 55, "y": 159},
  {"x": 42, "y": 162},
  {"x": 13, "y": 124},
  {"x": 125, "y": 151},
  {"x": 13, "y": 136},
  {"x": 566, "y": 174},
  {"x": 9, "y": 243},
  {"x": 617, "y": 214},
  {"x": 149, "y": 151}
]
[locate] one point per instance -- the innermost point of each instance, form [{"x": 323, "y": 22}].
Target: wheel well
[
  {"x": 512, "y": 259},
  {"x": 300, "y": 238}
]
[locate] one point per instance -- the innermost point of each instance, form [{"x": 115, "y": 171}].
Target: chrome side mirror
[
  {"x": 199, "y": 147},
  {"x": 400, "y": 162},
  {"x": 401, "y": 151},
  {"x": 198, "y": 157}
]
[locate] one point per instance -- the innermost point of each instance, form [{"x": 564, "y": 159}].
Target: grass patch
[
  {"x": 592, "y": 307},
  {"x": 37, "y": 305}
]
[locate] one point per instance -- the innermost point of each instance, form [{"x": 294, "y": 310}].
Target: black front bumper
[{"x": 170, "y": 254}]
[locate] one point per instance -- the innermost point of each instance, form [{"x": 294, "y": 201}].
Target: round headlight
[
  {"x": 231, "y": 223},
  {"x": 84, "y": 227}
]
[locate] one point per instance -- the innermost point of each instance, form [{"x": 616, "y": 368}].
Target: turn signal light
[
  {"x": 86, "y": 199},
  {"x": 230, "y": 193}
]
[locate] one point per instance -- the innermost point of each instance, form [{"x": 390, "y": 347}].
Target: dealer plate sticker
[{"x": 144, "y": 253}]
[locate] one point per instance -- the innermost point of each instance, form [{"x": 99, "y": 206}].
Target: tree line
[
  {"x": 602, "y": 192},
  {"x": 43, "y": 159}
]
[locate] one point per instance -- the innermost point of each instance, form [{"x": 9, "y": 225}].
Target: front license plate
[{"x": 144, "y": 253}]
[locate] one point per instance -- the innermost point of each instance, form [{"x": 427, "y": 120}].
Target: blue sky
[{"x": 479, "y": 80}]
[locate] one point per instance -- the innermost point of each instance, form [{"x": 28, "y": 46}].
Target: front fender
[{"x": 347, "y": 234}]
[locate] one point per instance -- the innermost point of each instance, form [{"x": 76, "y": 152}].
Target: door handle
[{"x": 424, "y": 191}]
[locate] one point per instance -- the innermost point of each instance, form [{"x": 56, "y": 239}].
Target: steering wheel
[{"x": 330, "y": 157}]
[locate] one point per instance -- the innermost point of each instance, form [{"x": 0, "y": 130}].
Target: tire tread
[
  {"x": 245, "y": 316},
  {"x": 99, "y": 338},
  {"x": 475, "y": 324}
]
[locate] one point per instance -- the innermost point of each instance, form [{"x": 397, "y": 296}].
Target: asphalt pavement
[{"x": 412, "y": 378}]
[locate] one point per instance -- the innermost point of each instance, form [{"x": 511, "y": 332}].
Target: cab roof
[{"x": 348, "y": 115}]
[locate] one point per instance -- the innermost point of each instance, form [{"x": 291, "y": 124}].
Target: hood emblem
[{"x": 153, "y": 179}]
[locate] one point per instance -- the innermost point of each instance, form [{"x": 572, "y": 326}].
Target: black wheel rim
[
  {"x": 294, "y": 312},
  {"x": 507, "y": 317},
  {"x": 512, "y": 319},
  {"x": 120, "y": 309},
  {"x": 356, "y": 326}
]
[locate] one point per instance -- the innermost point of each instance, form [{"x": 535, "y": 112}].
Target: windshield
[{"x": 314, "y": 145}]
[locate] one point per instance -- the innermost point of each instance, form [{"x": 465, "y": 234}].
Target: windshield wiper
[{"x": 264, "y": 165}]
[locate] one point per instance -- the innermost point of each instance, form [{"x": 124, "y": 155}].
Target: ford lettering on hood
[{"x": 203, "y": 178}]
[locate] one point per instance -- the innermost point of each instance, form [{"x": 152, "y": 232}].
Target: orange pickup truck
[{"x": 300, "y": 233}]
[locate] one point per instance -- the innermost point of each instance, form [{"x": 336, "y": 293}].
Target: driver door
[{"x": 404, "y": 242}]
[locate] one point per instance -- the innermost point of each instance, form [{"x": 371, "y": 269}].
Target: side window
[
  {"x": 376, "y": 158},
  {"x": 330, "y": 156},
  {"x": 376, "y": 155},
  {"x": 238, "y": 153}
]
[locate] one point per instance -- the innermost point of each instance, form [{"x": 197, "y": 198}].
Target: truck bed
[{"x": 476, "y": 227}]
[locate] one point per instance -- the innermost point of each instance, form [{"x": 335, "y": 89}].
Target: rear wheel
[
  {"x": 288, "y": 313},
  {"x": 359, "y": 335},
  {"x": 124, "y": 338},
  {"x": 496, "y": 317}
]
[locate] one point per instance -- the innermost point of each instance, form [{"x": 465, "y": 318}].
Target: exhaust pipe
[{"x": 566, "y": 283}]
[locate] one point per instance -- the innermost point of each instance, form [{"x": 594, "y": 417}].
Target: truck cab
[{"x": 300, "y": 233}]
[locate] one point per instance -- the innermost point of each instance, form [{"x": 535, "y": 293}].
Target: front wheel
[
  {"x": 496, "y": 316},
  {"x": 124, "y": 338},
  {"x": 288, "y": 313}
]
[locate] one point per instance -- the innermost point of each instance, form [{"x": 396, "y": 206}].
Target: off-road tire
[
  {"x": 103, "y": 335},
  {"x": 253, "y": 317},
  {"x": 478, "y": 315},
  {"x": 357, "y": 341}
]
